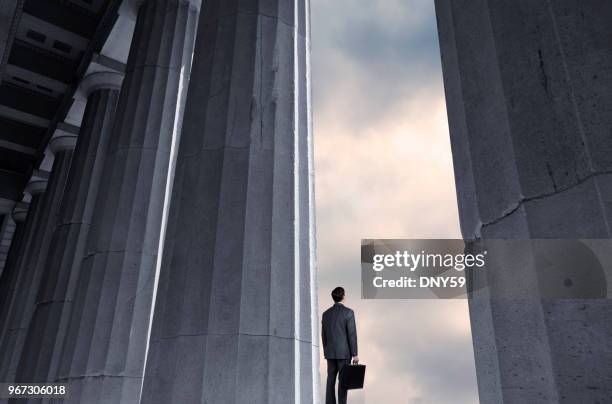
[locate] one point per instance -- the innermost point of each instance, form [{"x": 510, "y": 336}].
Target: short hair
[{"x": 338, "y": 294}]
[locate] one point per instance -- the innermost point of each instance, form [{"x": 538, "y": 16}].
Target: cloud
[
  {"x": 384, "y": 49},
  {"x": 395, "y": 181},
  {"x": 384, "y": 169}
]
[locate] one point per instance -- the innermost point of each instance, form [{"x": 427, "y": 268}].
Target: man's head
[{"x": 338, "y": 294}]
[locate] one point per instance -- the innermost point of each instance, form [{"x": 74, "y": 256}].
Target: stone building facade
[{"x": 157, "y": 200}]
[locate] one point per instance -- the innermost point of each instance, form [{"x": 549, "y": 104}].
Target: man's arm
[
  {"x": 323, "y": 339},
  {"x": 351, "y": 330}
]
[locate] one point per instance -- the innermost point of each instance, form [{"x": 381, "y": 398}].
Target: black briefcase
[{"x": 352, "y": 376}]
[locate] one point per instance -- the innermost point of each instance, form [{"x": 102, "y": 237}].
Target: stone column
[
  {"x": 32, "y": 263},
  {"x": 19, "y": 215},
  {"x": 9, "y": 276},
  {"x": 529, "y": 93},
  {"x": 103, "y": 357},
  {"x": 7, "y": 230},
  {"x": 47, "y": 331},
  {"x": 11, "y": 309},
  {"x": 235, "y": 317}
]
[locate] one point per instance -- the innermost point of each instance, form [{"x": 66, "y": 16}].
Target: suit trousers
[{"x": 334, "y": 366}]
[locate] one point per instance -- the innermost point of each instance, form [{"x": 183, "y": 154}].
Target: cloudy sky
[{"x": 384, "y": 170}]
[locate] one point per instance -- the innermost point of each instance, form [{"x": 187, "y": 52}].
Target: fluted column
[
  {"x": 235, "y": 316},
  {"x": 7, "y": 230},
  {"x": 9, "y": 275},
  {"x": 12, "y": 309},
  {"x": 104, "y": 355},
  {"x": 47, "y": 331},
  {"x": 31, "y": 264},
  {"x": 18, "y": 215},
  {"x": 529, "y": 93}
]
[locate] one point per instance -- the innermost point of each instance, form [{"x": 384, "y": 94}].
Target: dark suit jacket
[{"x": 339, "y": 333}]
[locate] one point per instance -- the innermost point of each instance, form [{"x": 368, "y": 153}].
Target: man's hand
[{"x": 355, "y": 359}]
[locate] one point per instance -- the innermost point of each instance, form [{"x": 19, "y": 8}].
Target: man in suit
[{"x": 339, "y": 336}]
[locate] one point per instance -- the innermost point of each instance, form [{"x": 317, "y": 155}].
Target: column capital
[
  {"x": 6, "y": 205},
  {"x": 134, "y": 5},
  {"x": 100, "y": 81},
  {"x": 62, "y": 140},
  {"x": 38, "y": 182},
  {"x": 20, "y": 211}
]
